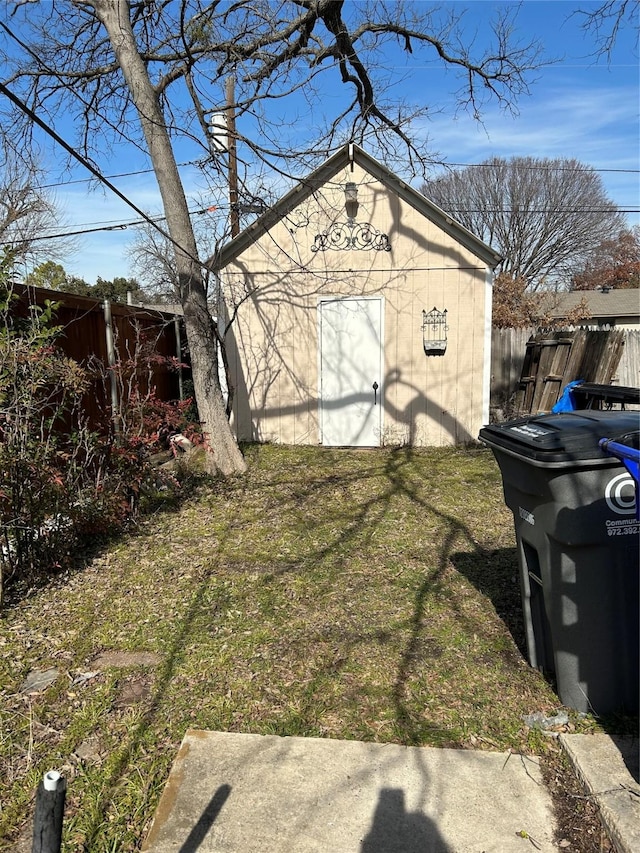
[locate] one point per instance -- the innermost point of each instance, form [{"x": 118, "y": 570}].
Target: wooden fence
[
  {"x": 111, "y": 333},
  {"x": 551, "y": 360}
]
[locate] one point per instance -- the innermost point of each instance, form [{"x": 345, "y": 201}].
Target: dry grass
[{"x": 344, "y": 594}]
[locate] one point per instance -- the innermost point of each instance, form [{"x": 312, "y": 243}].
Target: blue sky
[{"x": 579, "y": 107}]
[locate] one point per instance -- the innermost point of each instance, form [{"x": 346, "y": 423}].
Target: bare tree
[
  {"x": 152, "y": 257},
  {"x": 151, "y": 72},
  {"x": 27, "y": 211},
  {"x": 543, "y": 216}
]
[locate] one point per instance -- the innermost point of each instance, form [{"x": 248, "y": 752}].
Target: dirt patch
[
  {"x": 579, "y": 828},
  {"x": 132, "y": 691},
  {"x": 136, "y": 687},
  {"x": 91, "y": 750}
]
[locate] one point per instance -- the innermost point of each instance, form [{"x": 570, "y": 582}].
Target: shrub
[{"x": 60, "y": 481}]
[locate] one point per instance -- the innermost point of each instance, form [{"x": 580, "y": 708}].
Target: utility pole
[{"x": 233, "y": 160}]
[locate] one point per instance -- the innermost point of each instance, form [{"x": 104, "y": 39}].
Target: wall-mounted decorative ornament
[
  {"x": 434, "y": 331},
  {"x": 351, "y": 234}
]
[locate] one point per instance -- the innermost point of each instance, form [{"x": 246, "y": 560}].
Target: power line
[
  {"x": 56, "y": 185},
  {"x": 138, "y": 222},
  {"x": 54, "y": 73},
  {"x": 77, "y": 156},
  {"x": 525, "y": 211},
  {"x": 541, "y": 168},
  {"x": 116, "y": 227},
  {"x": 121, "y": 226},
  {"x": 111, "y": 177}
]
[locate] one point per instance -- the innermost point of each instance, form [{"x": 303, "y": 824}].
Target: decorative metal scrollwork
[
  {"x": 351, "y": 235},
  {"x": 434, "y": 331}
]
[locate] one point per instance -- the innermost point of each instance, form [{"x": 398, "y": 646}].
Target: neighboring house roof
[
  {"x": 306, "y": 186},
  {"x": 614, "y": 303}
]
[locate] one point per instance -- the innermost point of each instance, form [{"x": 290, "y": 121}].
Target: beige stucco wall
[{"x": 275, "y": 287}]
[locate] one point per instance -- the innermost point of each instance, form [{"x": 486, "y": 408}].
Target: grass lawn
[{"x": 342, "y": 594}]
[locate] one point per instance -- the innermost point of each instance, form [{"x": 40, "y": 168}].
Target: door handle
[{"x": 375, "y": 387}]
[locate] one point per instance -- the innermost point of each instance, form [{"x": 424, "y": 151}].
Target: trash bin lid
[{"x": 560, "y": 438}]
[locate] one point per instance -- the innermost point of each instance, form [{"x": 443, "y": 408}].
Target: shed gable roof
[{"x": 324, "y": 173}]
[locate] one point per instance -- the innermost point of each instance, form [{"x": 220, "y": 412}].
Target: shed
[{"x": 360, "y": 315}]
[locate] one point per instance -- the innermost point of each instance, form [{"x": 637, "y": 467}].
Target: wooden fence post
[
  {"x": 111, "y": 360},
  {"x": 176, "y": 326}
]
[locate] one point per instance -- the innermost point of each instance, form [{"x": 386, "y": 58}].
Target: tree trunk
[{"x": 225, "y": 455}]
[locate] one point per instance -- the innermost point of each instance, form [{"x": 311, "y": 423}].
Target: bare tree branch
[
  {"x": 273, "y": 49},
  {"x": 150, "y": 72},
  {"x": 543, "y": 216},
  {"x": 27, "y": 212},
  {"x": 605, "y": 21}
]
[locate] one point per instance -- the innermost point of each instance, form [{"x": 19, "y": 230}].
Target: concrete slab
[
  {"x": 609, "y": 769},
  {"x": 244, "y": 793}
]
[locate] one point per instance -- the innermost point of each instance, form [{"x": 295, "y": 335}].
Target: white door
[{"x": 351, "y": 372}]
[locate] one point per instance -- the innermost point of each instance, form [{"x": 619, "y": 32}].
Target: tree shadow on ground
[
  {"x": 206, "y": 820},
  {"x": 292, "y": 492},
  {"x": 499, "y": 584}
]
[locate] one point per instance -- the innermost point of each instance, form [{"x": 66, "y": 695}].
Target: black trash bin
[{"x": 578, "y": 550}]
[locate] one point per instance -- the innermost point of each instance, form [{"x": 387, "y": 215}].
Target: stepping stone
[
  {"x": 124, "y": 659},
  {"x": 38, "y": 680}
]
